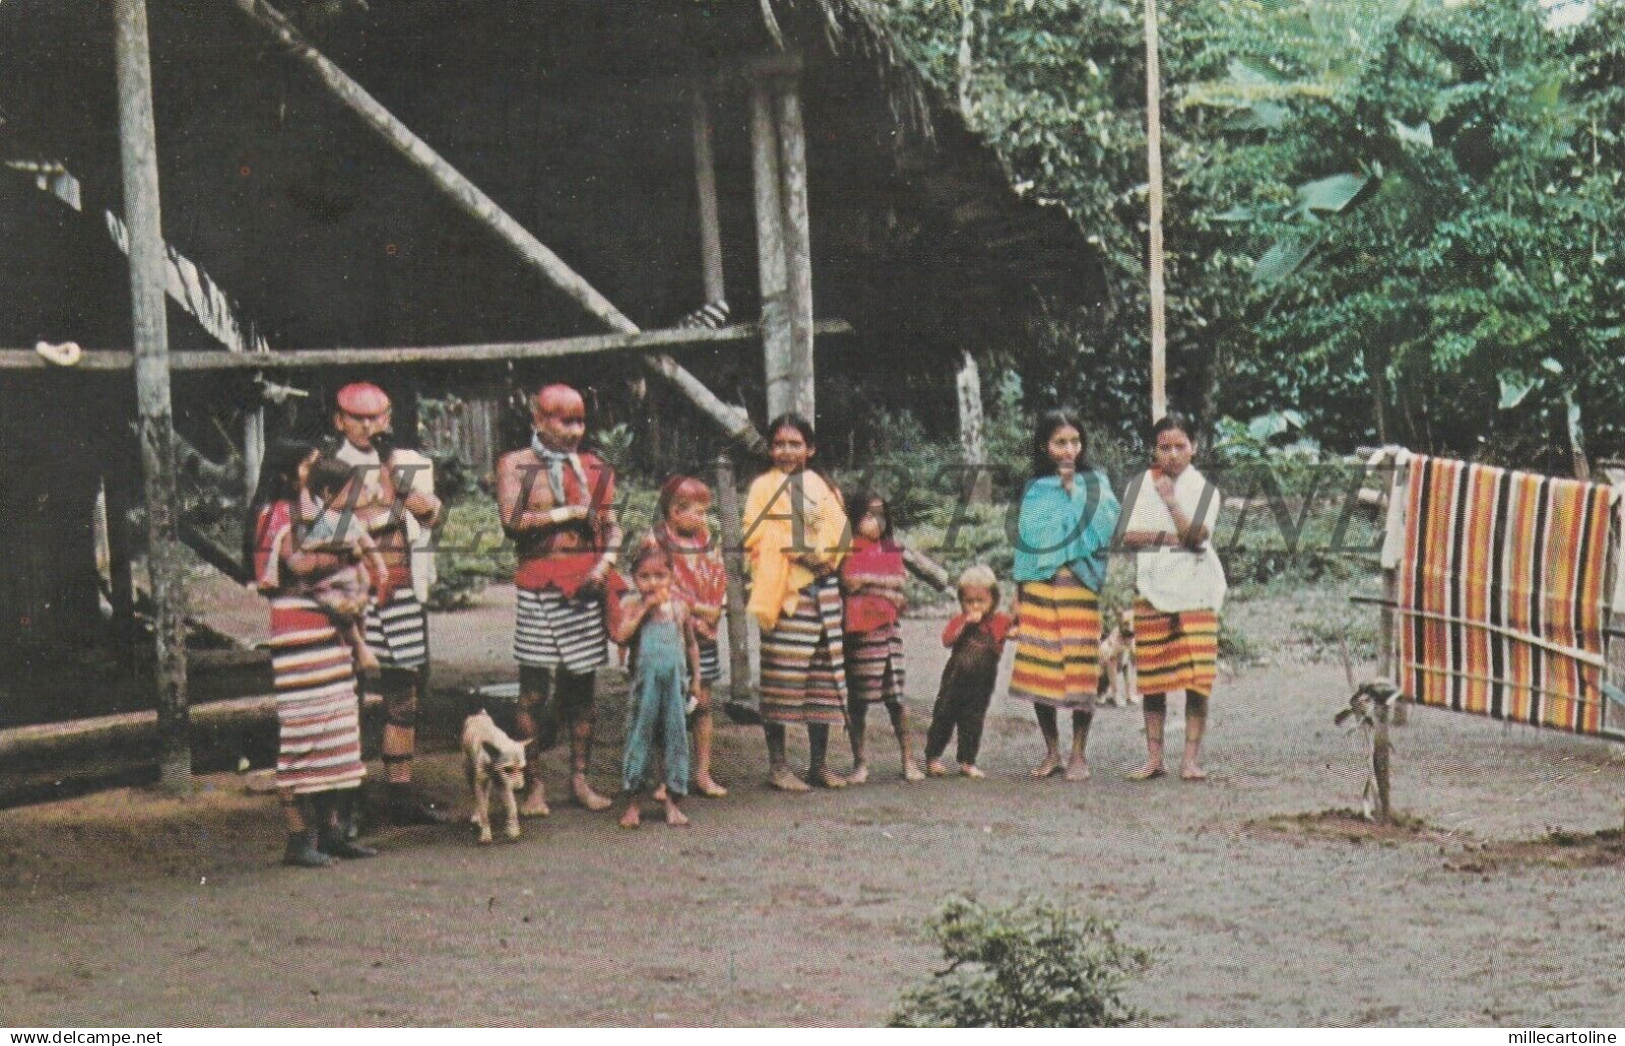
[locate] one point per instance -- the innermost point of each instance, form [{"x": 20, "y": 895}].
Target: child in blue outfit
[{"x": 665, "y": 666}]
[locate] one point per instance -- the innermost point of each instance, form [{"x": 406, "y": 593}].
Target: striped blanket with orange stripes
[{"x": 1501, "y": 588}]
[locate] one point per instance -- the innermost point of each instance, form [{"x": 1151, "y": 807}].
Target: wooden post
[
  {"x": 1379, "y": 761},
  {"x": 477, "y": 205},
  {"x": 138, "y": 153},
  {"x": 972, "y": 430},
  {"x": 797, "y": 247},
  {"x": 1153, "y": 141},
  {"x": 1390, "y": 600},
  {"x": 770, "y": 261},
  {"x": 253, "y": 451},
  {"x": 733, "y": 555},
  {"x": 705, "y": 184}
]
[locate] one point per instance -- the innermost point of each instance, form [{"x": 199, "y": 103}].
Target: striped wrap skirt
[
  {"x": 553, "y": 631},
  {"x": 317, "y": 709},
  {"x": 710, "y": 661},
  {"x": 803, "y": 663},
  {"x": 399, "y": 633},
  {"x": 874, "y": 664},
  {"x": 1178, "y": 651},
  {"x": 1058, "y": 646}
]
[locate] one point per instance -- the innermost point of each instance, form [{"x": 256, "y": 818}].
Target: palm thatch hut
[{"x": 294, "y": 223}]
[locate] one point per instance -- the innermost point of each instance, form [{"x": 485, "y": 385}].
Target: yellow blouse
[{"x": 777, "y": 577}]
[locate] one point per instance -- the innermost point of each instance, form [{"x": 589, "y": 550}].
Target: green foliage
[
  {"x": 1404, "y": 203},
  {"x": 1027, "y": 966}
]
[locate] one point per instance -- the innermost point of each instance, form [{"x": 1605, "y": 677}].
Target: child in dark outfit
[{"x": 977, "y": 638}]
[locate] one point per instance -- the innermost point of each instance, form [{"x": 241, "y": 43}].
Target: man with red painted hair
[
  {"x": 557, "y": 503},
  {"x": 393, "y": 497}
]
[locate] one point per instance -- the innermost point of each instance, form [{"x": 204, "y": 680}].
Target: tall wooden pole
[
  {"x": 733, "y": 556},
  {"x": 138, "y": 154},
  {"x": 797, "y": 246},
  {"x": 1153, "y": 140},
  {"x": 770, "y": 262},
  {"x": 705, "y": 185}
]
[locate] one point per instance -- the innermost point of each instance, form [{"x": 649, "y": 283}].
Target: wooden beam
[
  {"x": 777, "y": 337},
  {"x": 477, "y": 205},
  {"x": 705, "y": 185},
  {"x": 797, "y": 247},
  {"x": 138, "y": 154},
  {"x": 118, "y": 360}
]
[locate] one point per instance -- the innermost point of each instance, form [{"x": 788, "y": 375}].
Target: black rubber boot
[
  {"x": 301, "y": 851},
  {"x": 336, "y": 838},
  {"x": 405, "y": 808}
]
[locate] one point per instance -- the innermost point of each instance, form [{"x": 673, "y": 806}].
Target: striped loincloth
[
  {"x": 1058, "y": 646},
  {"x": 874, "y": 664},
  {"x": 803, "y": 666},
  {"x": 710, "y": 661},
  {"x": 550, "y": 631},
  {"x": 1177, "y": 651},
  {"x": 399, "y": 633},
  {"x": 1489, "y": 554},
  {"x": 317, "y": 710}
]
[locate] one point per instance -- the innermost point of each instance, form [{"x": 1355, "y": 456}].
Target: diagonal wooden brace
[{"x": 476, "y": 204}]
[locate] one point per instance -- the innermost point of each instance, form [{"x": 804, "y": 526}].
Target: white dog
[
  {"x": 492, "y": 759},
  {"x": 1117, "y": 662}
]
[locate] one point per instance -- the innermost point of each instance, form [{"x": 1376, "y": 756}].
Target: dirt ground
[{"x": 1261, "y": 905}]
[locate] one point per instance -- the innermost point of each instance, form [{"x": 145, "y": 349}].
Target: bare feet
[
  {"x": 1192, "y": 772},
  {"x": 824, "y": 777},
  {"x": 859, "y": 775},
  {"x": 586, "y": 796},
  {"x": 1146, "y": 772},
  {"x": 971, "y": 771},
  {"x": 633, "y": 816},
  {"x": 534, "y": 803},
  {"x": 911, "y": 772},
  {"x": 1049, "y": 767},
  {"x": 786, "y": 781},
  {"x": 935, "y": 768},
  {"x": 659, "y": 794},
  {"x": 675, "y": 818},
  {"x": 710, "y": 789},
  {"x": 1077, "y": 770}
]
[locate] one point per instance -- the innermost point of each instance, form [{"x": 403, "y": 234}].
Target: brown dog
[
  {"x": 492, "y": 759},
  {"x": 1119, "y": 683}
]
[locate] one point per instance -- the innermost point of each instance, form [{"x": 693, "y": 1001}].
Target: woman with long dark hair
[
  {"x": 319, "y": 763},
  {"x": 795, "y": 529},
  {"x": 1067, "y": 517}
]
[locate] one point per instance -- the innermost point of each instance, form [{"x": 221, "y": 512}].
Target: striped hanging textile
[{"x": 1491, "y": 558}]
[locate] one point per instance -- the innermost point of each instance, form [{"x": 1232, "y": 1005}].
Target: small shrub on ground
[{"x": 1026, "y": 966}]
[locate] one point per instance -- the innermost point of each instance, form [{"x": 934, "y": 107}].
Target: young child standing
[
  {"x": 1067, "y": 518},
  {"x": 700, "y": 579},
  {"x": 344, "y": 594},
  {"x": 976, "y": 636},
  {"x": 1181, "y": 587},
  {"x": 795, "y": 532},
  {"x": 665, "y": 664},
  {"x": 872, "y": 578}
]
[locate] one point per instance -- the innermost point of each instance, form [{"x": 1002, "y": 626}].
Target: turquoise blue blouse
[{"x": 1056, "y": 530}]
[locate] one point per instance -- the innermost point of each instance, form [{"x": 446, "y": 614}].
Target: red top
[
  {"x": 998, "y": 625},
  {"x": 872, "y": 564},
  {"x": 562, "y": 557},
  {"x": 268, "y": 527},
  {"x": 288, "y": 613},
  {"x": 698, "y": 575}
]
